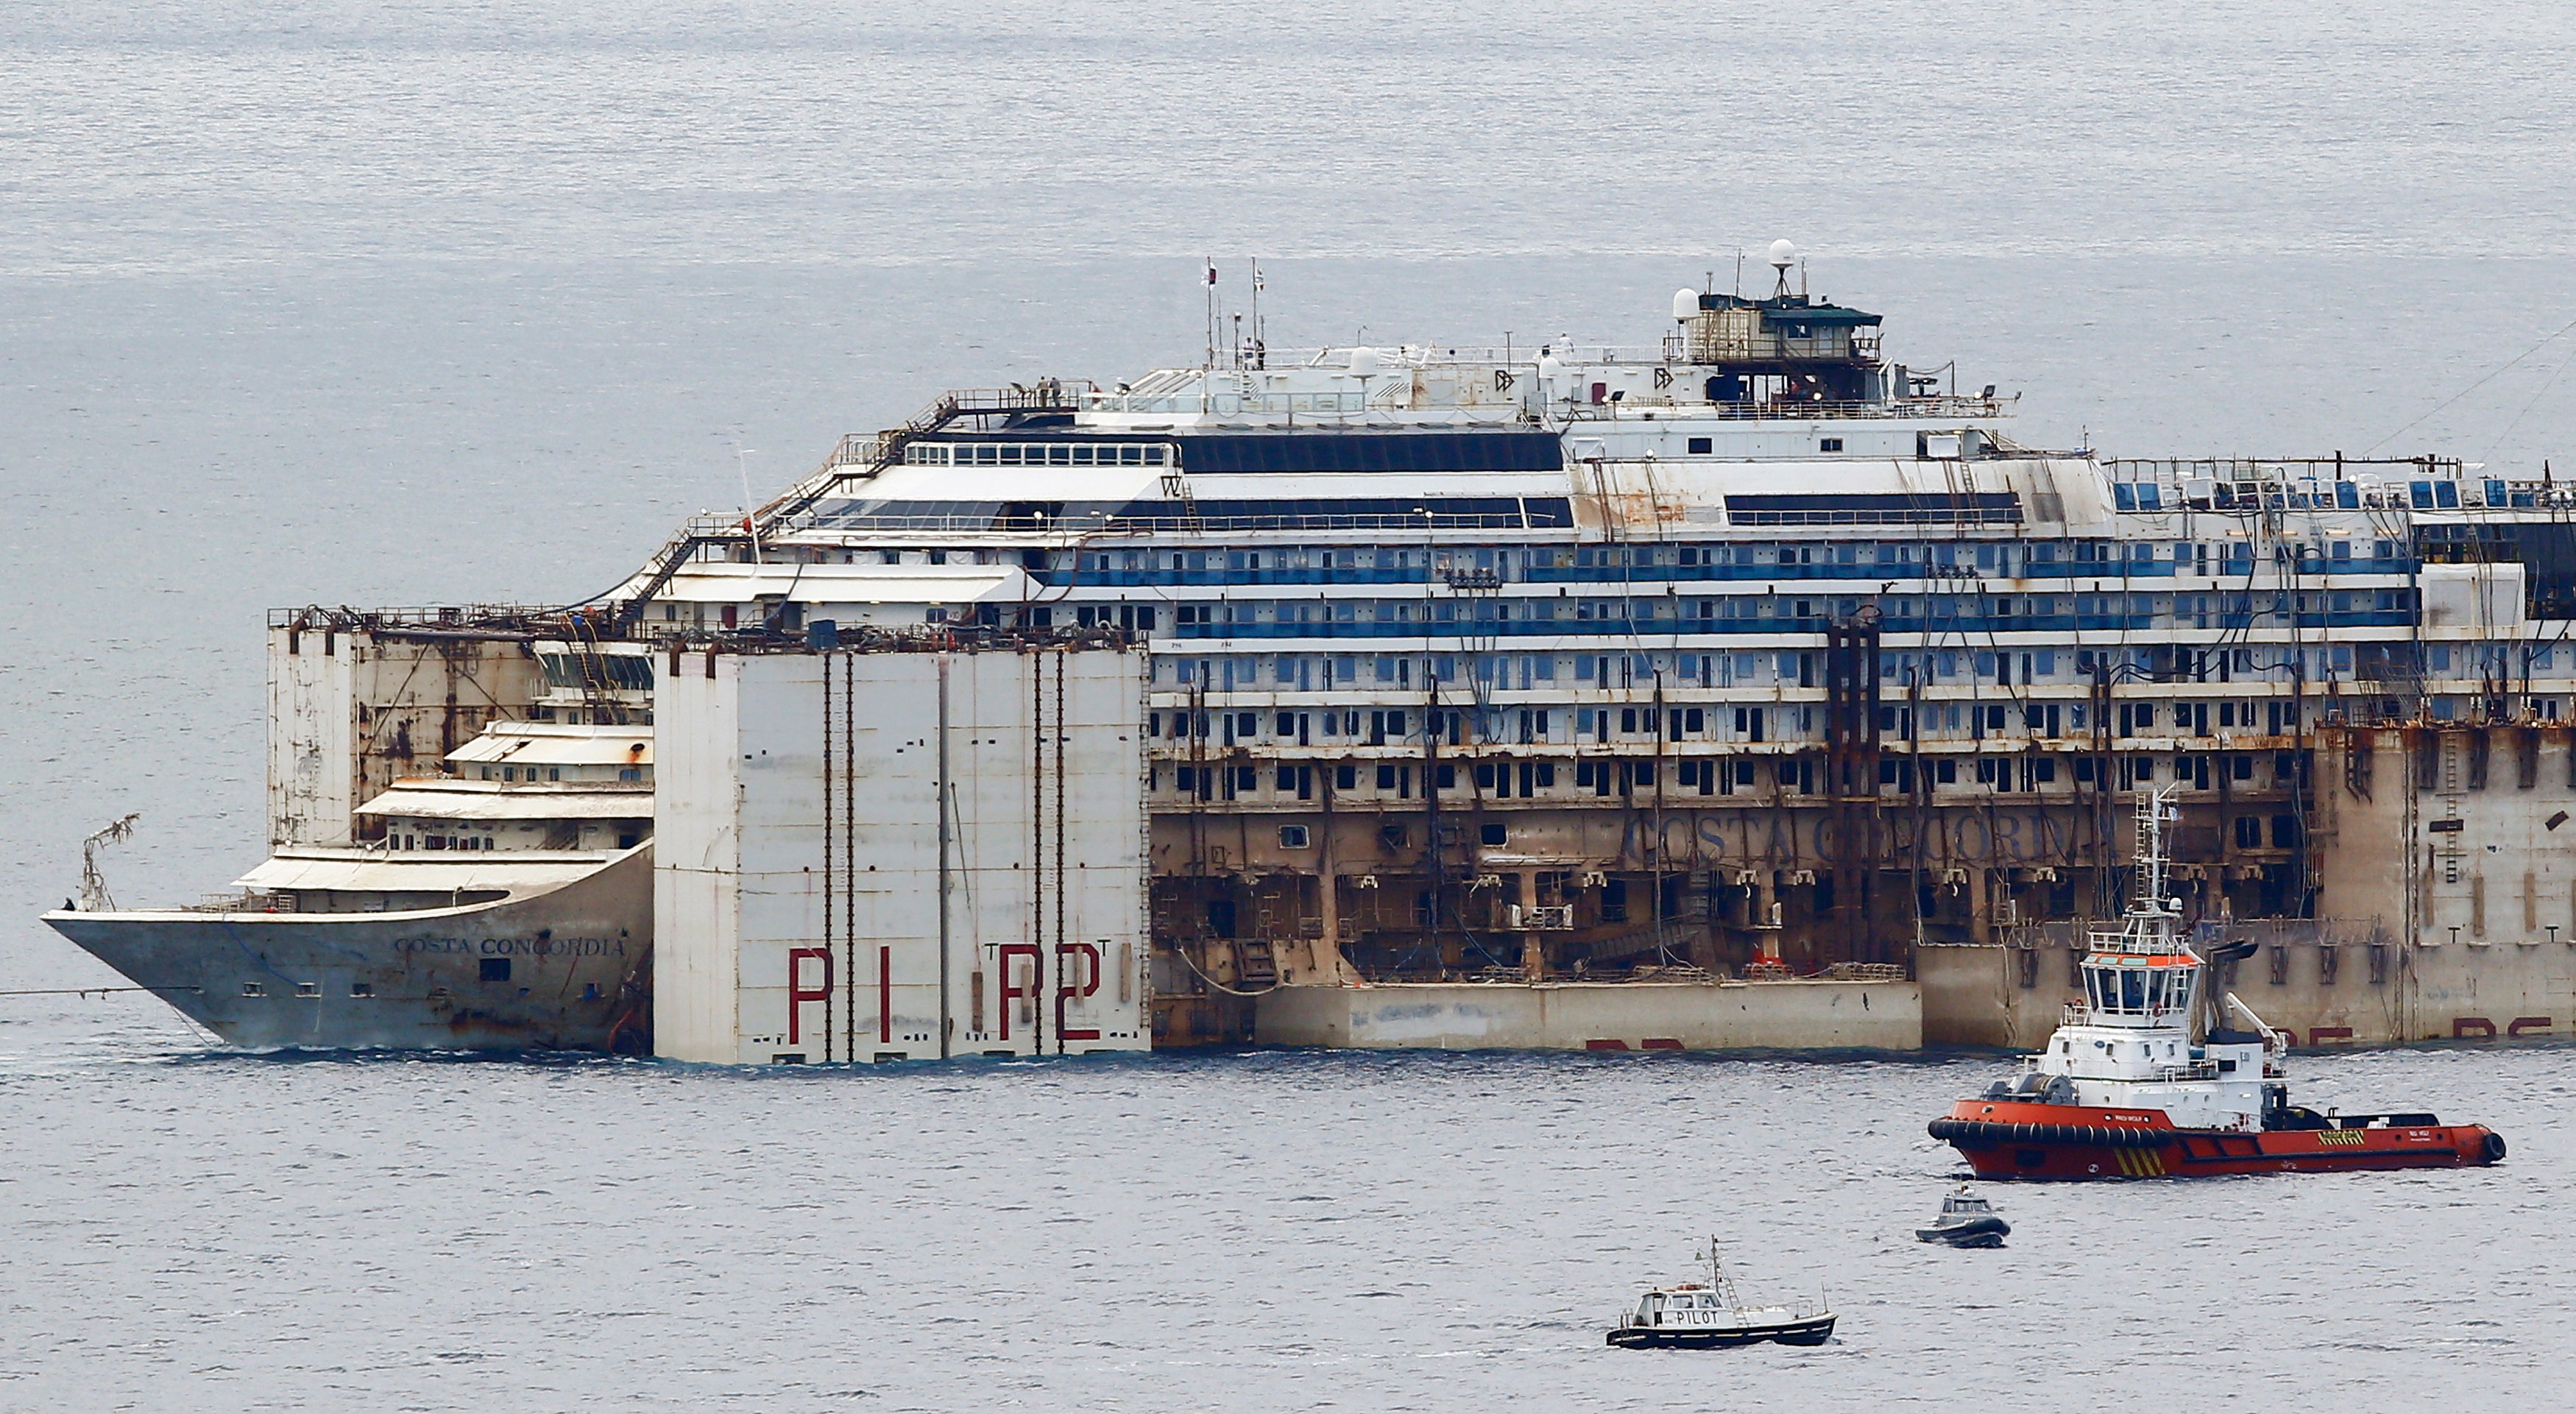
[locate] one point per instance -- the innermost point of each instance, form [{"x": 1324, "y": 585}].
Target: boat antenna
[
  {"x": 93, "y": 886},
  {"x": 1260, "y": 339},
  {"x": 742, "y": 465},
  {"x": 1211, "y": 313},
  {"x": 2148, "y": 906},
  {"x": 1717, "y": 1281}
]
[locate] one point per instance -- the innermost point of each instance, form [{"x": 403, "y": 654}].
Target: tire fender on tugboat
[
  {"x": 1994, "y": 1132},
  {"x": 2490, "y": 1148}
]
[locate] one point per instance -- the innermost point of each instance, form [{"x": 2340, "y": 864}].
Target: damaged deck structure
[
  {"x": 1743, "y": 687},
  {"x": 1748, "y": 655}
]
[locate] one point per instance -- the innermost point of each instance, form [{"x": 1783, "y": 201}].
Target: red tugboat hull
[{"x": 2005, "y": 1139}]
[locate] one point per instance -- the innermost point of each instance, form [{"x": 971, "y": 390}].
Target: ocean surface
[{"x": 411, "y": 303}]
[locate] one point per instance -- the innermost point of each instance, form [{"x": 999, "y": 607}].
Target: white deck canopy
[
  {"x": 428, "y": 799},
  {"x": 517, "y": 871}
]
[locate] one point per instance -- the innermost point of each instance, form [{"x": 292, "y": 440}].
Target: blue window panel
[
  {"x": 2124, "y": 496},
  {"x": 1320, "y": 450}
]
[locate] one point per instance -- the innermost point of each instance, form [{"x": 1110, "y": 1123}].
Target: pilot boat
[
  {"x": 1710, "y": 1315},
  {"x": 1966, "y": 1221},
  {"x": 2146, "y": 1078}
]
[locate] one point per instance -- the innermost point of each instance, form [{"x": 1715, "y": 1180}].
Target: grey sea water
[{"x": 413, "y": 303}]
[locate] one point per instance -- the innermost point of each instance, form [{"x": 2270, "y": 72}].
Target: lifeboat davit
[{"x": 2147, "y": 1079}]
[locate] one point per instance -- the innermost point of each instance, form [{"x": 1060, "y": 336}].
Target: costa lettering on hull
[{"x": 515, "y": 947}]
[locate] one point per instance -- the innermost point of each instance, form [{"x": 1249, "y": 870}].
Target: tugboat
[
  {"x": 1966, "y": 1221},
  {"x": 2147, "y": 1079},
  {"x": 1709, "y": 1316}
]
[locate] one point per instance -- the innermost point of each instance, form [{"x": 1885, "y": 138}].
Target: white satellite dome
[
  {"x": 1784, "y": 253},
  {"x": 1363, "y": 361},
  {"x": 1685, "y": 305}
]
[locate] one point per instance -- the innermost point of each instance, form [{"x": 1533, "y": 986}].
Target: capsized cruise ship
[{"x": 1745, "y": 687}]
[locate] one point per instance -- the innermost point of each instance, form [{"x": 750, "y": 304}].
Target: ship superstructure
[
  {"x": 1556, "y": 661},
  {"x": 1748, "y": 652}
]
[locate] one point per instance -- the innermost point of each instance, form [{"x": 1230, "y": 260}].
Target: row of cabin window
[
  {"x": 1533, "y": 725},
  {"x": 2182, "y": 610},
  {"x": 2438, "y": 494},
  {"x": 1995, "y": 558},
  {"x": 1037, "y": 454},
  {"x": 1753, "y": 724},
  {"x": 1308, "y": 672},
  {"x": 2165, "y": 663},
  {"x": 1458, "y": 726},
  {"x": 555, "y": 773},
  {"x": 2001, "y": 559},
  {"x": 1500, "y": 780},
  {"x": 1507, "y": 780}
]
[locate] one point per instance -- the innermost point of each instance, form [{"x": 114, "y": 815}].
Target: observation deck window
[{"x": 1037, "y": 454}]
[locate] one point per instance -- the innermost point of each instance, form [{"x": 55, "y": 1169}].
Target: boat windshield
[{"x": 2137, "y": 990}]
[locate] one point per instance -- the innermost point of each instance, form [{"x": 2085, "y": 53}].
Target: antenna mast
[
  {"x": 1211, "y": 315},
  {"x": 1260, "y": 335},
  {"x": 742, "y": 466},
  {"x": 2153, "y": 811}
]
